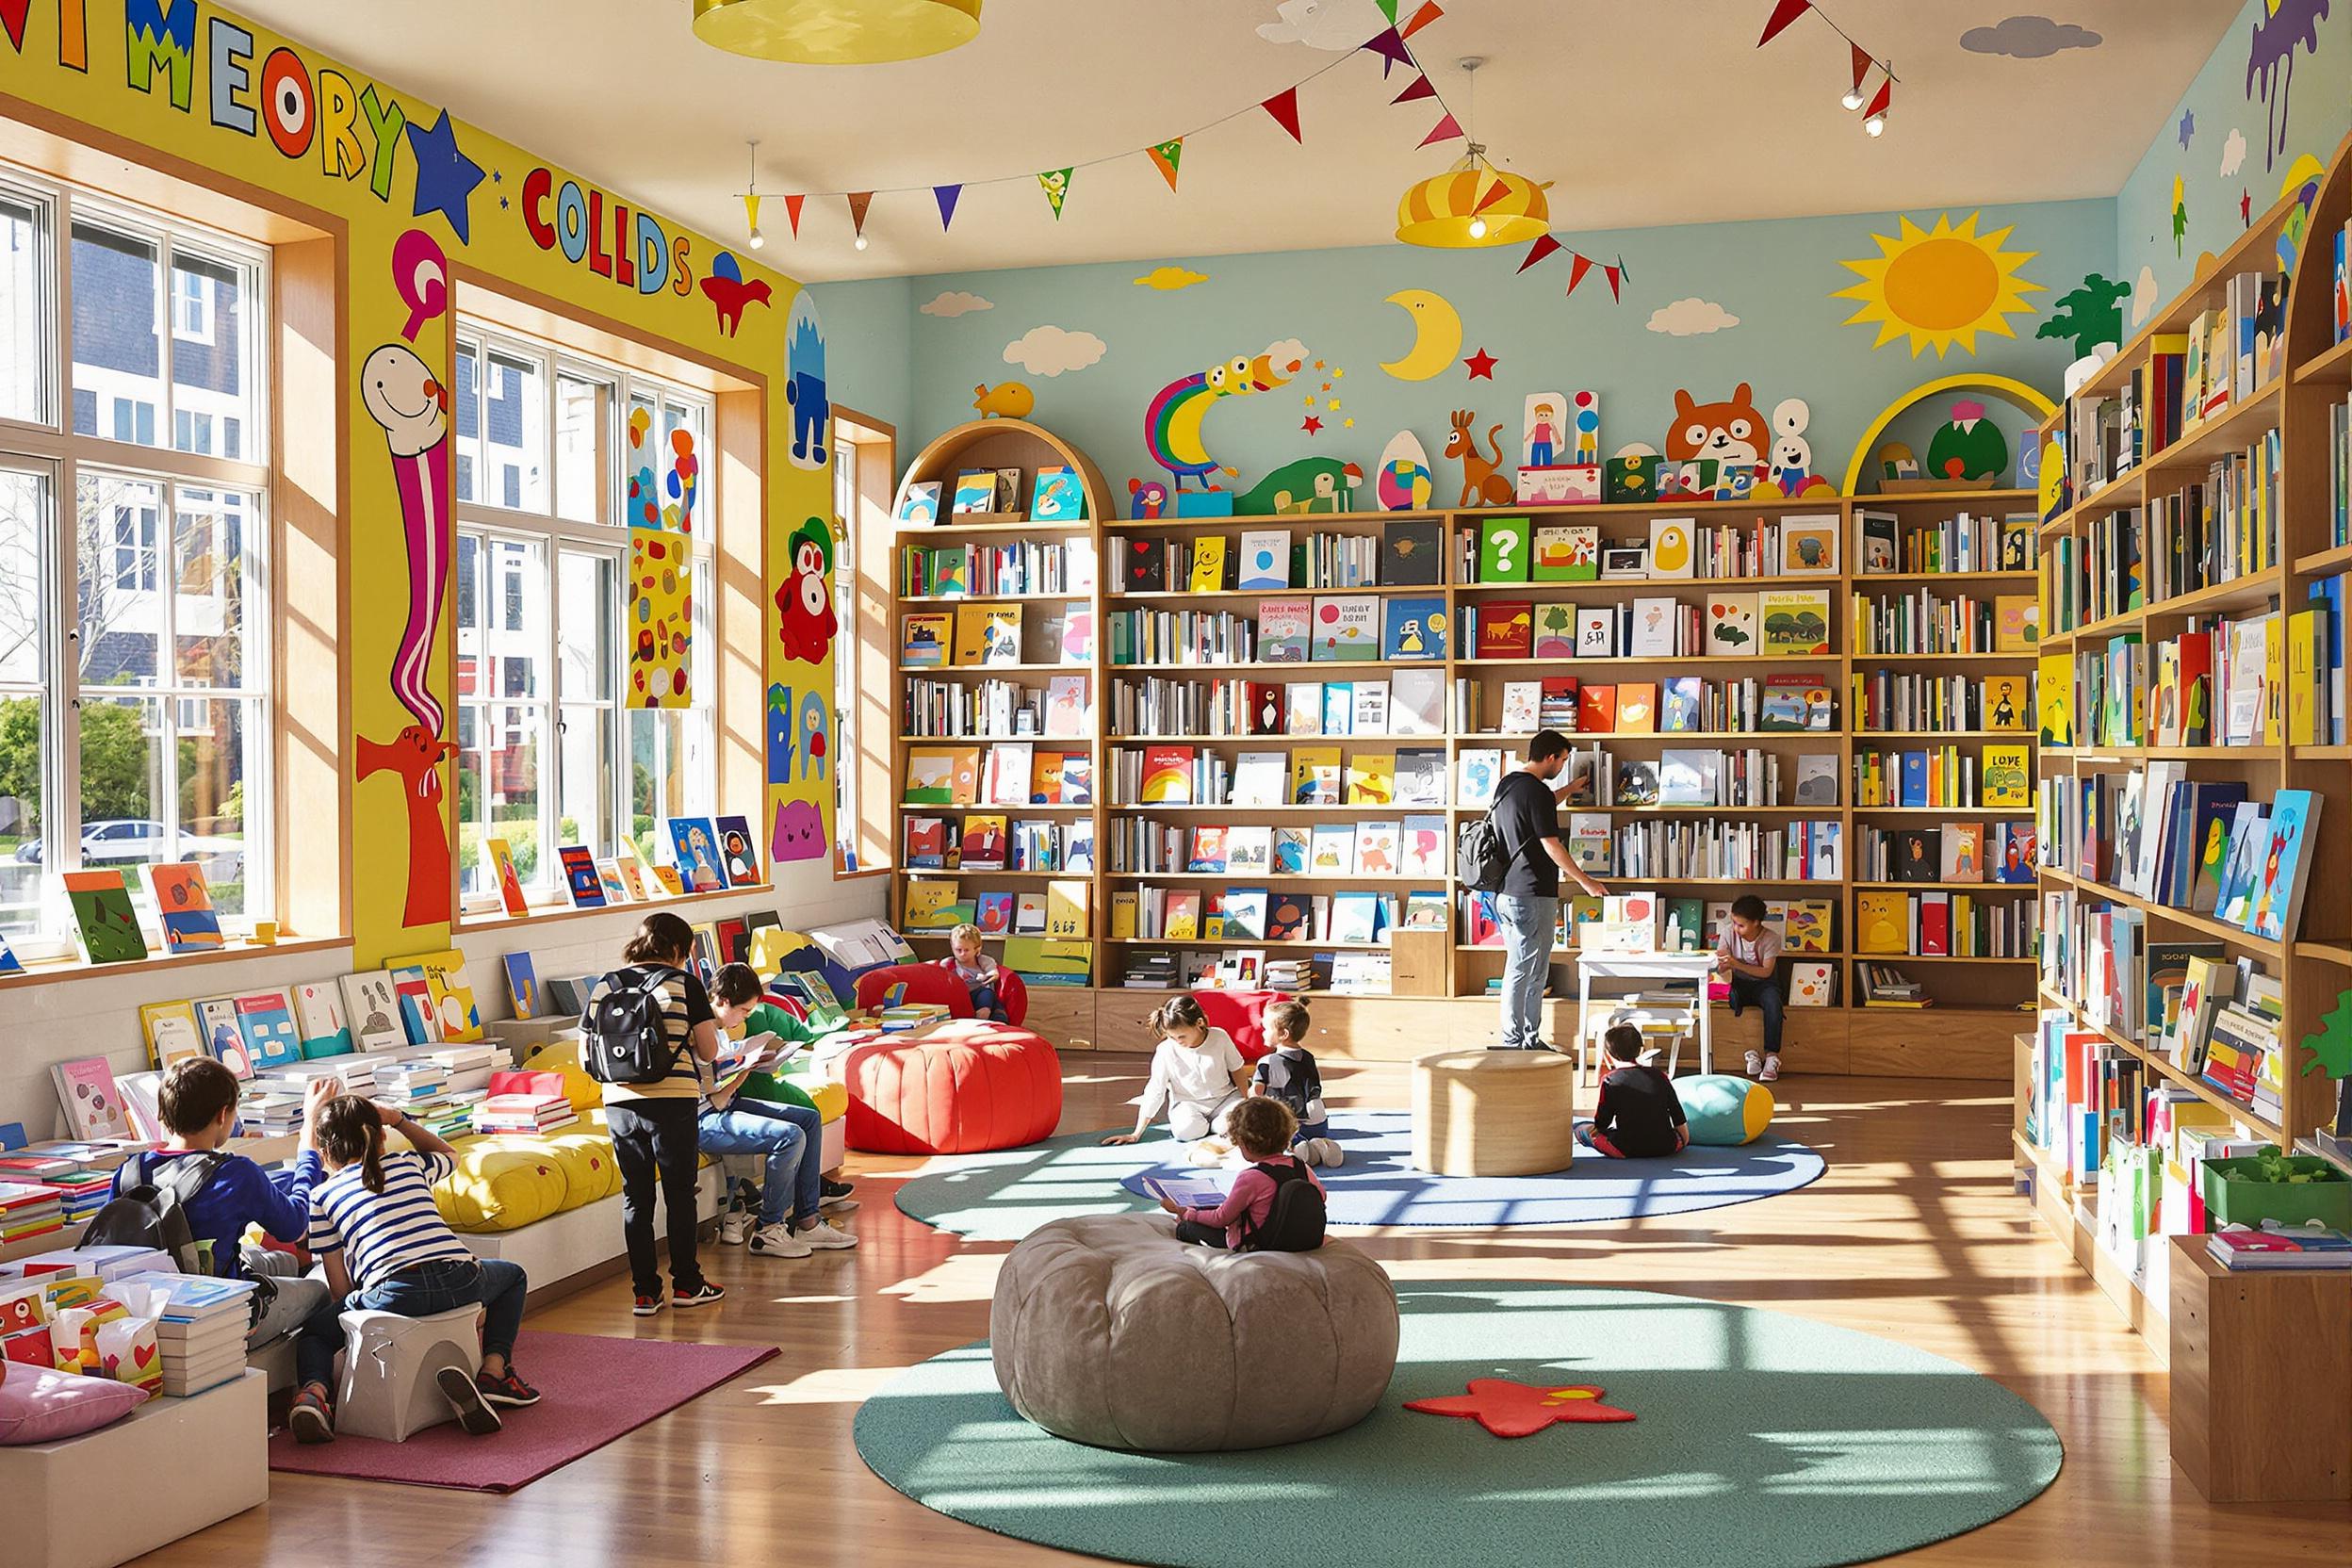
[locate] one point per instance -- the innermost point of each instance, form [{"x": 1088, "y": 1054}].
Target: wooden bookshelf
[{"x": 2311, "y": 965}]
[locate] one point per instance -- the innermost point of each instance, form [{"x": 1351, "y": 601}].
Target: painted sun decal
[{"x": 1939, "y": 286}]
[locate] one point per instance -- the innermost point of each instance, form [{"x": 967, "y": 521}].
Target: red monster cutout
[
  {"x": 416, "y": 757},
  {"x": 806, "y": 622}
]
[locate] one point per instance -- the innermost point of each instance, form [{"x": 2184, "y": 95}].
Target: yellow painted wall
[{"x": 209, "y": 89}]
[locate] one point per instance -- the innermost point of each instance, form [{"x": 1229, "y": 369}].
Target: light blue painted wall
[
  {"x": 2317, "y": 109},
  {"x": 869, "y": 348},
  {"x": 1776, "y": 276}
]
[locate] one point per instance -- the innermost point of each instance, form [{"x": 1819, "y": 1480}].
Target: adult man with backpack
[{"x": 1515, "y": 854}]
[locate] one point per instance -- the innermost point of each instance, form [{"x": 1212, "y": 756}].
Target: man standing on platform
[{"x": 1526, "y": 817}]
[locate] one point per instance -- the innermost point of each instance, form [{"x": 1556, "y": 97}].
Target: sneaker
[
  {"x": 506, "y": 1388},
  {"x": 705, "y": 1293},
  {"x": 837, "y": 1198},
  {"x": 824, "y": 1238},
  {"x": 473, "y": 1411},
  {"x": 310, "y": 1420},
  {"x": 735, "y": 1227},
  {"x": 1756, "y": 1065},
  {"x": 779, "y": 1241},
  {"x": 648, "y": 1305},
  {"x": 1771, "y": 1070}
]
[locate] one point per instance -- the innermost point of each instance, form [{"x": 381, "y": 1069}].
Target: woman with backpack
[
  {"x": 1275, "y": 1206},
  {"x": 649, "y": 1036}
]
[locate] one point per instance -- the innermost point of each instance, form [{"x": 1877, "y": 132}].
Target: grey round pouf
[{"x": 1108, "y": 1331}]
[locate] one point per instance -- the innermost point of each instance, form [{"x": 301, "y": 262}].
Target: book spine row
[
  {"x": 1027, "y": 566},
  {"x": 1922, "y": 623},
  {"x": 1181, "y": 637},
  {"x": 1799, "y": 852},
  {"x": 1936, "y": 775},
  {"x": 1887, "y": 699},
  {"x": 957, "y": 710}
]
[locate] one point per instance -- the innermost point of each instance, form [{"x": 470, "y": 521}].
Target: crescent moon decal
[{"x": 1437, "y": 335}]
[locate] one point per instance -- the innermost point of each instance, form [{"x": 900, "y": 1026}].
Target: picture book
[
  {"x": 1057, "y": 497},
  {"x": 975, "y": 491},
  {"x": 1356, "y": 916},
  {"x": 1181, "y": 920},
  {"x": 456, "y": 1017},
  {"x": 374, "y": 1007},
  {"x": 1285, "y": 630},
  {"x": 1263, "y": 561},
  {"x": 1208, "y": 563},
  {"x": 1008, "y": 773},
  {"x": 105, "y": 927},
  {"x": 1671, "y": 555},
  {"x": 1653, "y": 621},
  {"x": 926, "y": 843},
  {"x": 522, "y": 984},
  {"x": 2054, "y": 693},
  {"x": 1259, "y": 777},
  {"x": 1333, "y": 852},
  {"x": 1963, "y": 852},
  {"x": 1594, "y": 711},
  {"x": 1412, "y": 553},
  {"x": 1795, "y": 621},
  {"x": 1523, "y": 705},
  {"x": 1731, "y": 624},
  {"x": 1596, "y": 632},
  {"x": 988, "y": 634},
  {"x": 1167, "y": 776},
  {"x": 1808, "y": 545},
  {"x": 1009, "y": 489},
  {"x": 1314, "y": 776},
  {"x": 1369, "y": 711},
  {"x": 609, "y": 877},
  {"x": 1066, "y": 908},
  {"x": 580, "y": 877},
  {"x": 1555, "y": 553},
  {"x": 1505, "y": 628},
  {"x": 1244, "y": 909},
  {"x": 1679, "y": 711},
  {"x": 1481, "y": 774},
  {"x": 1371, "y": 778},
  {"x": 1504, "y": 543},
  {"x": 1812, "y": 984},
  {"x": 949, "y": 573},
  {"x": 982, "y": 842},
  {"x": 2007, "y": 778},
  {"x": 2290, "y": 841},
  {"x": 1806, "y": 924},
  {"x": 1076, "y": 646},
  {"x": 920, "y": 504},
  {"x": 171, "y": 1032},
  {"x": 992, "y": 912},
  {"x": 1339, "y": 707},
  {"x": 1584, "y": 552},
  {"x": 739, "y": 853},
  {"x": 190, "y": 925},
  {"x": 266, "y": 1019},
  {"x": 93, "y": 1104},
  {"x": 216, "y": 1018},
  {"x": 1817, "y": 778},
  {"x": 1413, "y": 627},
  {"x": 1290, "y": 851},
  {"x": 1207, "y": 851},
  {"x": 1346, "y": 628},
  {"x": 1555, "y": 631},
  {"x": 1376, "y": 849},
  {"x": 1250, "y": 850},
  {"x": 694, "y": 846},
  {"x": 932, "y": 906},
  {"x": 1416, "y": 702},
  {"x": 1145, "y": 568},
  {"x": 923, "y": 638},
  {"x": 1794, "y": 702},
  {"x": 499, "y": 858},
  {"x": 318, "y": 1019}
]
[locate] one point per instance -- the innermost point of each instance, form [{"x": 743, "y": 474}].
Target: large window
[
  {"x": 853, "y": 447},
  {"x": 133, "y": 724},
  {"x": 557, "y": 455}
]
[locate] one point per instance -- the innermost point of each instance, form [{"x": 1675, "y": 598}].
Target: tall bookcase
[
  {"x": 2313, "y": 964},
  {"x": 1975, "y": 986}
]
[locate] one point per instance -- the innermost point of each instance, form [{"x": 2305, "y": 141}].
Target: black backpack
[
  {"x": 624, "y": 1032},
  {"x": 1294, "y": 1222},
  {"x": 1481, "y": 859},
  {"x": 151, "y": 1213}
]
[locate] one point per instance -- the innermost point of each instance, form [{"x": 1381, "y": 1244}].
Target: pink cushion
[
  {"x": 40, "y": 1406},
  {"x": 986, "y": 1085},
  {"x": 1242, "y": 1015}
]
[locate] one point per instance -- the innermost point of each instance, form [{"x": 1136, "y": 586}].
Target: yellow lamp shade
[
  {"x": 837, "y": 32},
  {"x": 1440, "y": 211}
]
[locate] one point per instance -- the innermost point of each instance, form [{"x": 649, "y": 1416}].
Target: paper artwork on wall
[
  {"x": 1939, "y": 288},
  {"x": 660, "y": 619},
  {"x": 1482, "y": 482},
  {"x": 1405, "y": 481},
  {"x": 1436, "y": 335}
]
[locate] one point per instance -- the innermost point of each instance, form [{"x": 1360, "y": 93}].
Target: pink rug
[{"x": 595, "y": 1388}]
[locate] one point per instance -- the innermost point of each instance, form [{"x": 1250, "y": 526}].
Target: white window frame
[
  {"x": 191, "y": 308},
  {"x": 848, "y": 457},
  {"x": 48, "y": 443},
  {"x": 609, "y": 537}
]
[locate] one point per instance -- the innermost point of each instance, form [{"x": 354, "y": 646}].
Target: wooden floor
[{"x": 1913, "y": 1234}]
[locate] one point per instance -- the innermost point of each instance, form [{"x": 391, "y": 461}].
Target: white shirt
[{"x": 1202, "y": 1077}]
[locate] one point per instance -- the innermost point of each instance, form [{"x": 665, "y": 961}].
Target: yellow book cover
[
  {"x": 1314, "y": 776},
  {"x": 2005, "y": 779},
  {"x": 1637, "y": 709},
  {"x": 1372, "y": 779},
  {"x": 2306, "y": 631},
  {"x": 2055, "y": 695},
  {"x": 501, "y": 858},
  {"x": 452, "y": 992},
  {"x": 1881, "y": 921},
  {"x": 671, "y": 882},
  {"x": 988, "y": 634},
  {"x": 1122, "y": 916},
  {"x": 2004, "y": 704},
  {"x": 1208, "y": 563},
  {"x": 1183, "y": 922},
  {"x": 929, "y": 905},
  {"x": 1795, "y": 622},
  {"x": 2017, "y": 623},
  {"x": 2274, "y": 680},
  {"x": 1066, "y": 906}
]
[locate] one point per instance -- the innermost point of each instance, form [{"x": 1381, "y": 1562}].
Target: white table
[{"x": 1694, "y": 967}]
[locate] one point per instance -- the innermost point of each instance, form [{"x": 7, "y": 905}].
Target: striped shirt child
[{"x": 384, "y": 1231}]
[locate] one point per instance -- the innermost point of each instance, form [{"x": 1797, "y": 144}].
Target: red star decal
[
  {"x": 1509, "y": 1409},
  {"x": 1311, "y": 425},
  {"x": 1481, "y": 366},
  {"x": 2245, "y": 207}
]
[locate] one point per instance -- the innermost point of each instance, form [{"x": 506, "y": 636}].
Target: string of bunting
[
  {"x": 1579, "y": 264},
  {"x": 1167, "y": 155},
  {"x": 1786, "y": 12}
]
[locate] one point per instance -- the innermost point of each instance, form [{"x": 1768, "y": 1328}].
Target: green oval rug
[{"x": 1760, "y": 1441}]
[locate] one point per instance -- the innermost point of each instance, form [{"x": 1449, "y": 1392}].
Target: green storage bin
[{"x": 2234, "y": 1198}]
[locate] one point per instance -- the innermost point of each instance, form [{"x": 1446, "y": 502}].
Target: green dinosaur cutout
[{"x": 2331, "y": 1045}]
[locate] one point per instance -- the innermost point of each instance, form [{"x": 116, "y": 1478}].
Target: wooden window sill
[
  {"x": 501, "y": 920},
  {"x": 52, "y": 973}
]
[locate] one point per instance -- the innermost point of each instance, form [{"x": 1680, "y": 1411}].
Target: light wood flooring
[{"x": 1914, "y": 1233}]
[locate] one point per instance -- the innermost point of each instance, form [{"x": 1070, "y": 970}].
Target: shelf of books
[{"x": 2192, "y": 713}]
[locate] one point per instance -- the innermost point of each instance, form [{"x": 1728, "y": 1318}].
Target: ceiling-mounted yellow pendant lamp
[
  {"x": 1473, "y": 207},
  {"x": 837, "y": 32}
]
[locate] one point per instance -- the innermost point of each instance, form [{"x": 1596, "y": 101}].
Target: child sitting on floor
[
  {"x": 1287, "y": 1072},
  {"x": 1262, "y": 1129},
  {"x": 1638, "y": 1114},
  {"x": 1197, "y": 1073},
  {"x": 387, "y": 1249},
  {"x": 977, "y": 969}
]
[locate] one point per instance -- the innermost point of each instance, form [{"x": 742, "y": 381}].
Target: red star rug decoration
[
  {"x": 1481, "y": 366},
  {"x": 1509, "y": 1409}
]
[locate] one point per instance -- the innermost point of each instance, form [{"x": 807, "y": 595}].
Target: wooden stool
[{"x": 1494, "y": 1113}]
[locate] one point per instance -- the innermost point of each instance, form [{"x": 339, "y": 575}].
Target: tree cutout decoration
[
  {"x": 2331, "y": 1045},
  {"x": 2090, "y": 314}
]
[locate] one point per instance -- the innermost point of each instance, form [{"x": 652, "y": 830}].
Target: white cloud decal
[
  {"x": 2144, "y": 295},
  {"x": 1051, "y": 351},
  {"x": 953, "y": 302},
  {"x": 1691, "y": 318},
  {"x": 2232, "y": 153},
  {"x": 2027, "y": 38}
]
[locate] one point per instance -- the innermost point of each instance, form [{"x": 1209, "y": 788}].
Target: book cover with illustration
[{"x": 190, "y": 925}]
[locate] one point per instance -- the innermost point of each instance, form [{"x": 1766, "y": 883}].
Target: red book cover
[
  {"x": 984, "y": 844},
  {"x": 1597, "y": 709},
  {"x": 1935, "y": 924},
  {"x": 1266, "y": 707},
  {"x": 2196, "y": 688},
  {"x": 1507, "y": 629},
  {"x": 1167, "y": 776},
  {"x": 926, "y": 841}
]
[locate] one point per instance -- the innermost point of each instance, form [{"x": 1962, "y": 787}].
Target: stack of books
[
  {"x": 523, "y": 1113},
  {"x": 2301, "y": 1246},
  {"x": 201, "y": 1332},
  {"x": 468, "y": 1067},
  {"x": 271, "y": 1109},
  {"x": 903, "y": 1015},
  {"x": 1152, "y": 970},
  {"x": 451, "y": 1115},
  {"x": 1883, "y": 986},
  {"x": 29, "y": 1209},
  {"x": 1289, "y": 975},
  {"x": 416, "y": 1078},
  {"x": 83, "y": 1193}
]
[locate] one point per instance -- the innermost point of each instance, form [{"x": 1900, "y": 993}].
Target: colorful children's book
[
  {"x": 1414, "y": 627},
  {"x": 988, "y": 634},
  {"x": 93, "y": 1104},
  {"x": 1285, "y": 630},
  {"x": 739, "y": 853},
  {"x": 1731, "y": 624},
  {"x": 171, "y": 1032},
  {"x": 265, "y": 1019},
  {"x": 522, "y": 984},
  {"x": 1795, "y": 621},
  {"x": 695, "y": 843},
  {"x": 372, "y": 1005},
  {"x": 580, "y": 877},
  {"x": 2277, "y": 908},
  {"x": 216, "y": 1016},
  {"x": 190, "y": 925},
  {"x": 1346, "y": 628},
  {"x": 501, "y": 857},
  {"x": 1056, "y": 495},
  {"x": 319, "y": 1014},
  {"x": 105, "y": 927},
  {"x": 976, "y": 490},
  {"x": 456, "y": 1017},
  {"x": 1504, "y": 548},
  {"x": 1264, "y": 559}
]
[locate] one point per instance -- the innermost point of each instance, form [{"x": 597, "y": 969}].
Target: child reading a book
[
  {"x": 1747, "y": 953},
  {"x": 1262, "y": 1128},
  {"x": 387, "y": 1249},
  {"x": 1197, "y": 1074},
  {"x": 977, "y": 969},
  {"x": 221, "y": 1194},
  {"x": 788, "y": 1133},
  {"x": 1287, "y": 1072},
  {"x": 1637, "y": 1115}
]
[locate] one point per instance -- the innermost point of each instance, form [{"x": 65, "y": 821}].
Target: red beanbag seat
[
  {"x": 925, "y": 982},
  {"x": 967, "y": 1087},
  {"x": 1242, "y": 1015}
]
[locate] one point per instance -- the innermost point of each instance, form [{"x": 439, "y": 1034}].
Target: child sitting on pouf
[
  {"x": 1196, "y": 1073},
  {"x": 971, "y": 964},
  {"x": 1256, "y": 1216},
  {"x": 1637, "y": 1115}
]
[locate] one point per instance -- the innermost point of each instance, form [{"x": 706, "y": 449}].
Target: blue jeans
[
  {"x": 791, "y": 1173},
  {"x": 420, "y": 1290},
  {"x": 1765, "y": 995},
  {"x": 1528, "y": 924}
]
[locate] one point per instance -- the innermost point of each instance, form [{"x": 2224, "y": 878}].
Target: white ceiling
[{"x": 1641, "y": 120}]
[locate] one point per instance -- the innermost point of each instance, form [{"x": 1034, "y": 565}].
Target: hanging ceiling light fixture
[
  {"x": 751, "y": 196},
  {"x": 1474, "y": 205},
  {"x": 837, "y": 32}
]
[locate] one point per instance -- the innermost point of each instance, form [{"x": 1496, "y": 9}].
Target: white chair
[
  {"x": 1654, "y": 1016},
  {"x": 390, "y": 1364}
]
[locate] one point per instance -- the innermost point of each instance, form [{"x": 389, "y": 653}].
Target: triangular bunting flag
[
  {"x": 947, "y": 195},
  {"x": 1388, "y": 10},
  {"x": 1390, "y": 46},
  {"x": 791, "y": 210},
  {"x": 1622, "y": 271},
  {"x": 1429, "y": 13},
  {"x": 1782, "y": 13},
  {"x": 751, "y": 209},
  {"x": 1576, "y": 270},
  {"x": 1283, "y": 106},
  {"x": 1057, "y": 184},
  {"x": 1862, "y": 63},
  {"x": 1613, "y": 274},
  {"x": 1165, "y": 155},
  {"x": 858, "y": 202},
  {"x": 1447, "y": 130},
  {"x": 1544, "y": 245},
  {"x": 1420, "y": 88},
  {"x": 1495, "y": 193},
  {"x": 1886, "y": 96}
]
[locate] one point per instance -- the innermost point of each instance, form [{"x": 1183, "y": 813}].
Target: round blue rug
[
  {"x": 1760, "y": 1439},
  {"x": 1005, "y": 1195}
]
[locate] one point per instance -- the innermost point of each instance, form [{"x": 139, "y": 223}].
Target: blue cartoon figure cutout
[{"x": 805, "y": 386}]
